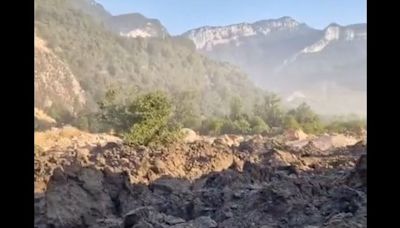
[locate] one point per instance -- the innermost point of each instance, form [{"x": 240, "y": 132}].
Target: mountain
[
  {"x": 129, "y": 25},
  {"x": 291, "y": 58},
  {"x": 82, "y": 42},
  {"x": 90, "y": 7},
  {"x": 339, "y": 55},
  {"x": 208, "y": 37},
  {"x": 136, "y": 25}
]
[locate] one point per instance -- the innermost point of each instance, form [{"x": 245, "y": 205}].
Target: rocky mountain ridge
[{"x": 289, "y": 57}]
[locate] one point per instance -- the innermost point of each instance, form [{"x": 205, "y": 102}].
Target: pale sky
[{"x": 178, "y": 16}]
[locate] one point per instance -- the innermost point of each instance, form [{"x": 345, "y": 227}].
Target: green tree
[
  {"x": 242, "y": 126},
  {"x": 115, "y": 114},
  {"x": 291, "y": 123},
  {"x": 307, "y": 118},
  {"x": 236, "y": 108},
  {"x": 258, "y": 126},
  {"x": 270, "y": 110},
  {"x": 212, "y": 126},
  {"x": 187, "y": 111},
  {"x": 354, "y": 126},
  {"x": 304, "y": 114},
  {"x": 152, "y": 120}
]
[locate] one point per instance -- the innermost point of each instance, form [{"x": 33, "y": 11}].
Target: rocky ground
[{"x": 229, "y": 181}]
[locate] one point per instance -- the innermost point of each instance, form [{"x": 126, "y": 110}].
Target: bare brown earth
[
  {"x": 87, "y": 180},
  {"x": 55, "y": 84}
]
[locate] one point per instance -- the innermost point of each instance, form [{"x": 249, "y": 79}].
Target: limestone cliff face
[
  {"x": 136, "y": 25},
  {"x": 205, "y": 38},
  {"x": 55, "y": 85}
]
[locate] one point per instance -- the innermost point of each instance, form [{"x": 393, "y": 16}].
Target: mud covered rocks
[{"x": 261, "y": 182}]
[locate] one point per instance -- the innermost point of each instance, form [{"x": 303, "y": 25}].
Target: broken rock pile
[{"x": 258, "y": 182}]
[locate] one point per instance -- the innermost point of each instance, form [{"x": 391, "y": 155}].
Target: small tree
[
  {"x": 212, "y": 126},
  {"x": 291, "y": 123},
  {"x": 258, "y": 126},
  {"x": 152, "y": 121},
  {"x": 270, "y": 110},
  {"x": 187, "y": 110},
  {"x": 144, "y": 120},
  {"x": 346, "y": 126},
  {"x": 306, "y": 118},
  {"x": 114, "y": 114},
  {"x": 241, "y": 126},
  {"x": 236, "y": 108}
]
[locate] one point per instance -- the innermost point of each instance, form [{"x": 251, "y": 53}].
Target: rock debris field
[{"x": 87, "y": 180}]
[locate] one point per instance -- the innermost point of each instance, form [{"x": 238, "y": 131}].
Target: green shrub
[
  {"x": 144, "y": 120},
  {"x": 258, "y": 126},
  {"x": 60, "y": 114},
  {"x": 291, "y": 123},
  {"x": 212, "y": 126},
  {"x": 313, "y": 127},
  {"x": 114, "y": 114},
  {"x": 270, "y": 110},
  {"x": 152, "y": 121},
  {"x": 186, "y": 111},
  {"x": 346, "y": 126},
  {"x": 242, "y": 126},
  {"x": 228, "y": 127},
  {"x": 306, "y": 118}
]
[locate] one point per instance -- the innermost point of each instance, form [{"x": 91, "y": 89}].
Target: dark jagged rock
[
  {"x": 358, "y": 177},
  {"x": 270, "y": 188}
]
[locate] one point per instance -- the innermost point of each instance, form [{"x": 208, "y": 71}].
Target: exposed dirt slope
[{"x": 55, "y": 85}]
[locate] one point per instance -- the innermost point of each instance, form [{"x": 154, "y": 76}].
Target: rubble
[{"x": 261, "y": 182}]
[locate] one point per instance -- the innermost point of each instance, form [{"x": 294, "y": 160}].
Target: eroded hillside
[{"x": 56, "y": 87}]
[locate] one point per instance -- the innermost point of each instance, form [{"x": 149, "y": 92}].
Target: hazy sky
[{"x": 179, "y": 16}]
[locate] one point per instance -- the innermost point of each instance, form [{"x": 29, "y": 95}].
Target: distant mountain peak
[
  {"x": 334, "y": 32},
  {"x": 209, "y": 36},
  {"x": 136, "y": 25},
  {"x": 281, "y": 22},
  {"x": 286, "y": 18},
  {"x": 333, "y": 25}
]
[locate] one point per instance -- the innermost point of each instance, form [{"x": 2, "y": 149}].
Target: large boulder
[
  {"x": 148, "y": 216},
  {"x": 358, "y": 177},
  {"x": 43, "y": 121},
  {"x": 76, "y": 197},
  {"x": 71, "y": 137},
  {"x": 293, "y": 135},
  {"x": 229, "y": 140},
  {"x": 189, "y": 136},
  {"x": 327, "y": 142}
]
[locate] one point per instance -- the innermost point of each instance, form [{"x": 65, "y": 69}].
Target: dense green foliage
[
  {"x": 258, "y": 125},
  {"x": 101, "y": 59},
  {"x": 152, "y": 121},
  {"x": 144, "y": 120},
  {"x": 346, "y": 125},
  {"x": 270, "y": 110},
  {"x": 305, "y": 118},
  {"x": 187, "y": 112},
  {"x": 237, "y": 122}
]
